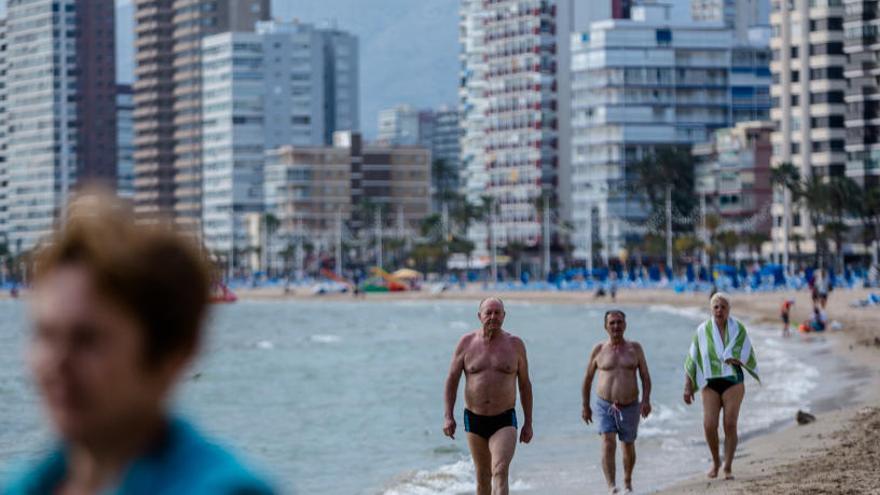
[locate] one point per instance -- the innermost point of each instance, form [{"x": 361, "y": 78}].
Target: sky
[{"x": 409, "y": 48}]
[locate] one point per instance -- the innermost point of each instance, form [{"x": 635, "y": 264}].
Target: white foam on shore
[{"x": 449, "y": 479}]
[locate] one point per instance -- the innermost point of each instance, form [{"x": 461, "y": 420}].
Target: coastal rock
[{"x": 804, "y": 417}]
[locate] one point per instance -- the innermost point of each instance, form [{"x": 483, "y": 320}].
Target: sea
[{"x": 346, "y": 397}]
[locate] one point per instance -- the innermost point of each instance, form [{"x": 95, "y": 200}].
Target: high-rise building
[
  {"x": 342, "y": 82},
  {"x": 193, "y": 20},
  {"x": 60, "y": 108},
  {"x": 739, "y": 15},
  {"x": 446, "y": 148},
  {"x": 168, "y": 98},
  {"x": 472, "y": 106},
  {"x": 261, "y": 90},
  {"x": 809, "y": 106},
  {"x": 521, "y": 139},
  {"x": 4, "y": 171},
  {"x": 401, "y": 125},
  {"x": 863, "y": 108},
  {"x": 125, "y": 141},
  {"x": 641, "y": 83}
]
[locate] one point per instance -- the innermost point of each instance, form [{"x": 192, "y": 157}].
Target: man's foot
[
  {"x": 713, "y": 472},
  {"x": 628, "y": 486},
  {"x": 628, "y": 489},
  {"x": 613, "y": 489},
  {"x": 728, "y": 475}
]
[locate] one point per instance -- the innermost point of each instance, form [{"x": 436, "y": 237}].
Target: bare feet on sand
[
  {"x": 728, "y": 475},
  {"x": 713, "y": 472},
  {"x": 613, "y": 489}
]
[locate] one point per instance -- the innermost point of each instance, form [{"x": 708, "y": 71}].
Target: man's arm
[
  {"x": 525, "y": 392},
  {"x": 456, "y": 367},
  {"x": 645, "y": 376},
  {"x": 587, "y": 413}
]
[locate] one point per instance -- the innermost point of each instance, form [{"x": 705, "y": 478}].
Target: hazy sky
[{"x": 409, "y": 48}]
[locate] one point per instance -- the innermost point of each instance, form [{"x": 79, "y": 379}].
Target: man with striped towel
[{"x": 720, "y": 351}]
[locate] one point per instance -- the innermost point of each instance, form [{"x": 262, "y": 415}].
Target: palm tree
[
  {"x": 515, "y": 250},
  {"x": 787, "y": 177},
  {"x": 755, "y": 240},
  {"x": 842, "y": 194},
  {"x": 271, "y": 223},
  {"x": 669, "y": 166},
  {"x": 728, "y": 240},
  {"x": 815, "y": 199}
]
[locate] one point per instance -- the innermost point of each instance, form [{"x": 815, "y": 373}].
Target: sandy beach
[{"x": 839, "y": 453}]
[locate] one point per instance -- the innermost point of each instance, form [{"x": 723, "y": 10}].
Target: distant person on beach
[
  {"x": 117, "y": 317},
  {"x": 720, "y": 351},
  {"x": 612, "y": 286},
  {"x": 619, "y": 362},
  {"x": 786, "y": 316},
  {"x": 822, "y": 289},
  {"x": 494, "y": 363}
]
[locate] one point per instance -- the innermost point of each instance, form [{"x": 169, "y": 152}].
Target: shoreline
[{"x": 838, "y": 453}]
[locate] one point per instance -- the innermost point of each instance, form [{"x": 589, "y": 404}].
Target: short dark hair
[
  {"x": 614, "y": 311},
  {"x": 154, "y": 273}
]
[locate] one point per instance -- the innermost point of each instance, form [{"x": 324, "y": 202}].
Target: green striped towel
[{"x": 707, "y": 354}]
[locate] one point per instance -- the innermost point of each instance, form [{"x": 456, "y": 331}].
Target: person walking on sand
[
  {"x": 785, "y": 313},
  {"x": 720, "y": 351},
  {"x": 494, "y": 363},
  {"x": 618, "y": 408}
]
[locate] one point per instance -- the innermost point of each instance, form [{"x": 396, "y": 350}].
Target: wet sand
[{"x": 839, "y": 453}]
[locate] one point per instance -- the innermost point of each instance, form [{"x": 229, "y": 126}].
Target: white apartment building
[
  {"x": 263, "y": 90},
  {"x": 808, "y": 59},
  {"x": 472, "y": 105},
  {"x": 644, "y": 82},
  {"x": 60, "y": 109},
  {"x": 521, "y": 128}
]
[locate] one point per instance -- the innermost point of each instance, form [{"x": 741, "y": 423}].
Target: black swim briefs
[{"x": 486, "y": 426}]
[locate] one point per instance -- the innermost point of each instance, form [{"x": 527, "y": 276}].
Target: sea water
[{"x": 335, "y": 397}]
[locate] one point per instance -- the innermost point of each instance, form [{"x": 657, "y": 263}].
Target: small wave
[
  {"x": 691, "y": 312},
  {"x": 326, "y": 339},
  {"x": 265, "y": 344},
  {"x": 449, "y": 479}
]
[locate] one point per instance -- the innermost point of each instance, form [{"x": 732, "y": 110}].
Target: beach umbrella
[{"x": 407, "y": 274}]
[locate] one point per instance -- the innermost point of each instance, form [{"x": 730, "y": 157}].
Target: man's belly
[
  {"x": 488, "y": 396},
  {"x": 618, "y": 388}
]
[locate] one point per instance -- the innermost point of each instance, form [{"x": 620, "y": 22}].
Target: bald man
[{"x": 494, "y": 363}]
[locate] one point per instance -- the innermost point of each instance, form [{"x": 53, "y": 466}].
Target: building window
[{"x": 664, "y": 37}]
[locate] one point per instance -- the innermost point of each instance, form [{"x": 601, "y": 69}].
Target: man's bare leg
[
  {"x": 731, "y": 400},
  {"x": 629, "y": 461},
  {"x": 711, "y": 409},
  {"x": 482, "y": 463},
  {"x": 609, "y": 451},
  {"x": 502, "y": 445}
]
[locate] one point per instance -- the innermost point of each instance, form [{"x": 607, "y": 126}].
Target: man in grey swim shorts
[{"x": 618, "y": 408}]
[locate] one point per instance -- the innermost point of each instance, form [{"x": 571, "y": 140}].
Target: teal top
[{"x": 183, "y": 462}]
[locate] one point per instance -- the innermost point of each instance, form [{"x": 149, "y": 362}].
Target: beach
[{"x": 839, "y": 453}]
